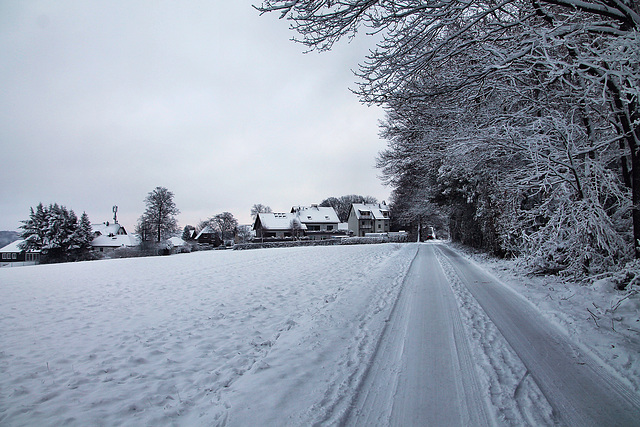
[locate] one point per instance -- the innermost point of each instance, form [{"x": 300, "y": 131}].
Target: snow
[
  {"x": 278, "y": 220},
  {"x": 604, "y": 321},
  {"x": 176, "y": 241},
  {"x": 266, "y": 337},
  {"x": 378, "y": 211},
  {"x": 12, "y": 247},
  {"x": 316, "y": 214},
  {"x": 191, "y": 338}
]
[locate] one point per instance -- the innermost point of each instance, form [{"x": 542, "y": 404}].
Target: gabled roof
[
  {"x": 15, "y": 247},
  {"x": 276, "y": 221},
  {"x": 316, "y": 214},
  {"x": 115, "y": 241},
  {"x": 176, "y": 241},
  {"x": 206, "y": 230},
  {"x": 107, "y": 229},
  {"x": 377, "y": 211},
  {"x": 12, "y": 247}
]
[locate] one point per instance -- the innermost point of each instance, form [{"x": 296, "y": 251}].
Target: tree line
[
  {"x": 60, "y": 236},
  {"x": 517, "y": 121}
]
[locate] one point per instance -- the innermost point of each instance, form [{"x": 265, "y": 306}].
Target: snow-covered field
[
  {"x": 265, "y": 337},
  {"x": 205, "y": 338}
]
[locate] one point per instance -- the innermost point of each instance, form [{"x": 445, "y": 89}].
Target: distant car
[{"x": 430, "y": 234}]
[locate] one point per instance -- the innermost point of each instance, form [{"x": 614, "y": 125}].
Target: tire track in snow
[
  {"x": 423, "y": 371},
  {"x": 580, "y": 390},
  {"x": 515, "y": 397}
]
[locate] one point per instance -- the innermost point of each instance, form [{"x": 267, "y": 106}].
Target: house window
[
  {"x": 14, "y": 256},
  {"x": 379, "y": 226},
  {"x": 329, "y": 227}
]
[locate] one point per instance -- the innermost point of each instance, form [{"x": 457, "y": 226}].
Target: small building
[
  {"x": 369, "y": 218},
  {"x": 13, "y": 254},
  {"x": 208, "y": 236}
]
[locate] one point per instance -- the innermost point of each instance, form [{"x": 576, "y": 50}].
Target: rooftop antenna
[{"x": 115, "y": 214}]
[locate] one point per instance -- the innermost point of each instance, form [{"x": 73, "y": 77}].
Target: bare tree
[
  {"x": 342, "y": 204},
  {"x": 159, "y": 215},
  {"x": 225, "y": 224},
  {"x": 259, "y": 208}
]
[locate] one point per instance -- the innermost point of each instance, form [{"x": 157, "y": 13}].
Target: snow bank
[{"x": 277, "y": 336}]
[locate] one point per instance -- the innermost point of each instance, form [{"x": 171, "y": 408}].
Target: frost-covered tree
[
  {"x": 296, "y": 228},
  {"x": 225, "y": 224},
  {"x": 547, "y": 95},
  {"x": 159, "y": 219},
  {"x": 259, "y": 208},
  {"x": 342, "y": 204},
  {"x": 56, "y": 232},
  {"x": 188, "y": 233}
]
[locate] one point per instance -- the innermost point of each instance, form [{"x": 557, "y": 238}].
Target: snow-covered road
[
  {"x": 580, "y": 389},
  {"x": 425, "y": 373}
]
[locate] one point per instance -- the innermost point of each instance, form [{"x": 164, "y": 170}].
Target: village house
[
  {"x": 111, "y": 236},
  {"x": 208, "y": 236},
  {"x": 369, "y": 218},
  {"x": 314, "y": 223},
  {"x": 275, "y": 225},
  {"x": 12, "y": 254},
  {"x": 319, "y": 222}
]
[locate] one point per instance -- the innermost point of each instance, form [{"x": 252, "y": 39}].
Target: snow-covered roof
[
  {"x": 176, "y": 241},
  {"x": 316, "y": 214},
  {"x": 206, "y": 230},
  {"x": 12, "y": 247},
  {"x": 377, "y": 211},
  {"x": 107, "y": 229},
  {"x": 115, "y": 241},
  {"x": 277, "y": 220}
]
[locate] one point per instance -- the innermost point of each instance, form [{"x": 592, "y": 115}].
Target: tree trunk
[{"x": 627, "y": 115}]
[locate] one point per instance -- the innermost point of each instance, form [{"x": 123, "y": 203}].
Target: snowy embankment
[{"x": 278, "y": 336}]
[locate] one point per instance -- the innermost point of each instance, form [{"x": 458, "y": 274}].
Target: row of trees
[
  {"x": 158, "y": 223},
  {"x": 57, "y": 233},
  {"x": 518, "y": 119}
]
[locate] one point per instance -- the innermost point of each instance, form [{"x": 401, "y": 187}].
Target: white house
[
  {"x": 276, "y": 225},
  {"x": 320, "y": 222},
  {"x": 369, "y": 218},
  {"x": 313, "y": 222},
  {"x": 108, "y": 237}
]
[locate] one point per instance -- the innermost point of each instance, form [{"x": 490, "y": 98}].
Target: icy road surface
[{"x": 423, "y": 372}]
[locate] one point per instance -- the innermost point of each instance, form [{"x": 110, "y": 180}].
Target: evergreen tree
[
  {"x": 188, "y": 233},
  {"x": 83, "y": 236},
  {"x": 56, "y": 233}
]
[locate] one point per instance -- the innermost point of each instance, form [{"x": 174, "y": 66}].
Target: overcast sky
[{"x": 101, "y": 102}]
